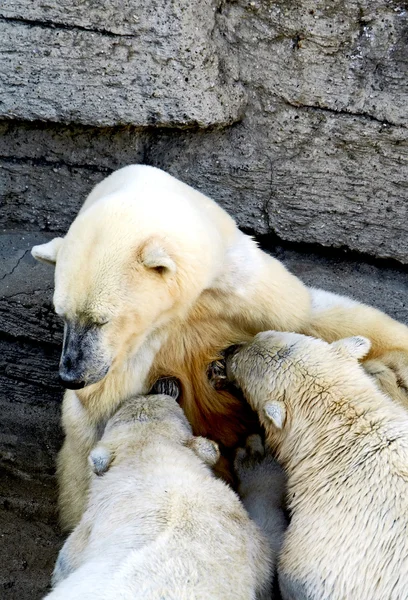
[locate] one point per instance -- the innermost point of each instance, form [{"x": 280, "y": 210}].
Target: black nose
[{"x": 71, "y": 384}]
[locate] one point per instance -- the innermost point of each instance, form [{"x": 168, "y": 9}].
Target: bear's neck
[{"x": 343, "y": 428}]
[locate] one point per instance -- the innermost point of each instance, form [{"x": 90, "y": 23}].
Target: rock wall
[{"x": 293, "y": 115}]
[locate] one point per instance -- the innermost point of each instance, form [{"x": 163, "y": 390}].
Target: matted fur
[{"x": 344, "y": 446}]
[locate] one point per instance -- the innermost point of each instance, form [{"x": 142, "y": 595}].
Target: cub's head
[
  {"x": 129, "y": 263},
  {"x": 282, "y": 373},
  {"x": 145, "y": 418}
]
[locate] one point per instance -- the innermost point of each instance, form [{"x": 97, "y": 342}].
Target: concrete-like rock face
[
  {"x": 293, "y": 115},
  {"x": 139, "y": 63}
]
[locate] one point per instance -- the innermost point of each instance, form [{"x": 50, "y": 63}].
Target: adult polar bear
[{"x": 154, "y": 278}]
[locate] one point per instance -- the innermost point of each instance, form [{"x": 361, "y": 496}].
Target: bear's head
[
  {"x": 282, "y": 374},
  {"x": 142, "y": 419},
  {"x": 138, "y": 255}
]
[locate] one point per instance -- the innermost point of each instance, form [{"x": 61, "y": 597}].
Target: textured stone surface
[
  {"x": 29, "y": 537},
  {"x": 339, "y": 55},
  {"x": 320, "y": 154},
  {"x": 316, "y": 177},
  {"x": 142, "y": 63},
  {"x": 30, "y": 412}
]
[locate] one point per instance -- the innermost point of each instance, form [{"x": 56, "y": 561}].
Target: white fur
[
  {"x": 344, "y": 447},
  {"x": 242, "y": 266},
  {"x": 322, "y": 300},
  {"x": 262, "y": 488},
  {"x": 47, "y": 252},
  {"x": 158, "y": 524}
]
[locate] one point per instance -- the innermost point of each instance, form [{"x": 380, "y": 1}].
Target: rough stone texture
[
  {"x": 293, "y": 115},
  {"x": 141, "y": 63},
  {"x": 318, "y": 149}
]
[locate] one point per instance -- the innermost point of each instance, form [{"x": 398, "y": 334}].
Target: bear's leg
[
  {"x": 262, "y": 485},
  {"x": 73, "y": 470},
  {"x": 334, "y": 317},
  {"x": 386, "y": 379},
  {"x": 70, "y": 555}
]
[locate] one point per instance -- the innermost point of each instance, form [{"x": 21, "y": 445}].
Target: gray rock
[
  {"x": 315, "y": 177},
  {"x": 156, "y": 63},
  {"x": 29, "y": 537},
  {"x": 319, "y": 154},
  {"x": 344, "y": 56}
]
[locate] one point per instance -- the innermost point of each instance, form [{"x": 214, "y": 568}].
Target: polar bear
[
  {"x": 153, "y": 278},
  {"x": 262, "y": 489},
  {"x": 158, "y": 523},
  {"x": 344, "y": 446}
]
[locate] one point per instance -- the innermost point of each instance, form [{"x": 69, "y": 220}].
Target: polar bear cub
[
  {"x": 158, "y": 524},
  {"x": 344, "y": 446}
]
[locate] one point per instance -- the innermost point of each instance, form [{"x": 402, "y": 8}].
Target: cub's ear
[
  {"x": 205, "y": 449},
  {"x": 355, "y": 347},
  {"x": 48, "y": 252},
  {"x": 275, "y": 411},
  {"x": 100, "y": 459},
  {"x": 154, "y": 256}
]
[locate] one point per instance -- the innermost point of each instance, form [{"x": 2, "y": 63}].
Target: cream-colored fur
[
  {"x": 262, "y": 489},
  {"x": 344, "y": 446},
  {"x": 154, "y": 278},
  {"x": 157, "y": 523}
]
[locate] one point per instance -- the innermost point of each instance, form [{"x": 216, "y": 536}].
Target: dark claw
[
  {"x": 216, "y": 374},
  {"x": 170, "y": 386}
]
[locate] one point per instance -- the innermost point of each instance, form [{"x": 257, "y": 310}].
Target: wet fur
[{"x": 344, "y": 446}]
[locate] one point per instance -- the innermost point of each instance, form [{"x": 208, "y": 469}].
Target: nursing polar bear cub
[
  {"x": 344, "y": 446},
  {"x": 154, "y": 278},
  {"x": 158, "y": 524}
]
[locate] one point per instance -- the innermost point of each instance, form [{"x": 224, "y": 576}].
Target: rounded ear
[
  {"x": 100, "y": 459},
  {"x": 355, "y": 347},
  {"x": 205, "y": 449},
  {"x": 275, "y": 411},
  {"x": 154, "y": 256},
  {"x": 48, "y": 252}
]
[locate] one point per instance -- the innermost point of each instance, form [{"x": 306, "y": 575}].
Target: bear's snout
[
  {"x": 69, "y": 375},
  {"x": 71, "y": 383},
  {"x": 82, "y": 363}
]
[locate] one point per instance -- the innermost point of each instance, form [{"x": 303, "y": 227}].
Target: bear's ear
[
  {"x": 275, "y": 411},
  {"x": 354, "y": 347},
  {"x": 100, "y": 459},
  {"x": 205, "y": 449},
  {"x": 48, "y": 252},
  {"x": 154, "y": 256}
]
